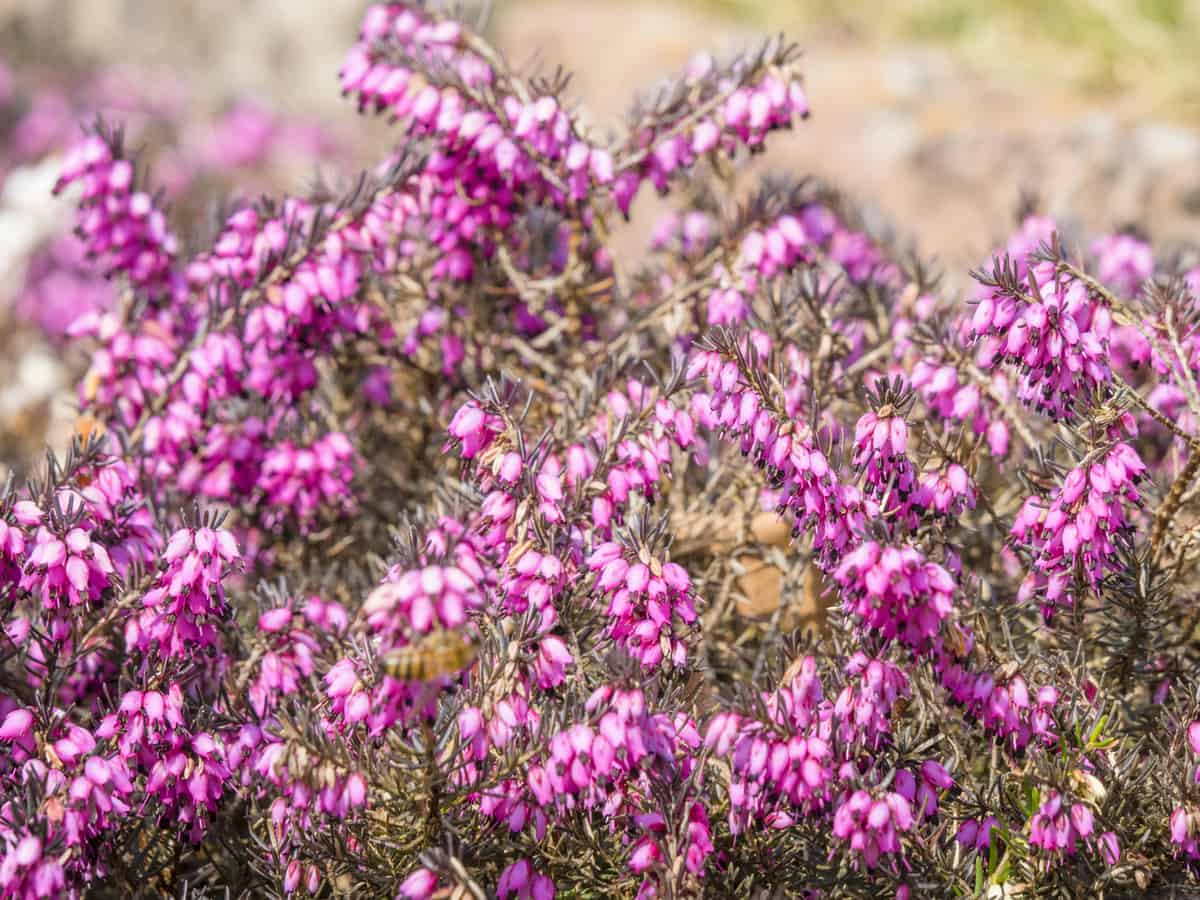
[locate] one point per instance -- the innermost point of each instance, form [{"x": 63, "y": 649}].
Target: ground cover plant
[{"x": 416, "y": 544}]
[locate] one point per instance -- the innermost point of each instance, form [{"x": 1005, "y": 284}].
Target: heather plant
[
  {"x": 244, "y": 147},
  {"x": 406, "y": 552}
]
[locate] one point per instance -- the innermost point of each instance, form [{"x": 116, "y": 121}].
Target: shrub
[{"x": 420, "y": 544}]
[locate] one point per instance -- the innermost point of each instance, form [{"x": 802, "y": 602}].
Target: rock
[
  {"x": 1161, "y": 145},
  {"x": 891, "y": 136},
  {"x": 907, "y": 77}
]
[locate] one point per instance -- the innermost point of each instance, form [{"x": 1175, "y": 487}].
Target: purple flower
[
  {"x": 1077, "y": 527},
  {"x": 896, "y": 592},
  {"x": 187, "y": 600},
  {"x": 649, "y": 604},
  {"x": 420, "y": 885},
  {"x": 871, "y": 826}
]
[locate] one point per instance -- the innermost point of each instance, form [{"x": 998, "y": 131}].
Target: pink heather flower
[
  {"x": 275, "y": 619},
  {"x": 864, "y": 706},
  {"x": 976, "y": 834},
  {"x": 1056, "y": 828},
  {"x": 1110, "y": 848},
  {"x": 534, "y": 580},
  {"x": 871, "y": 826},
  {"x": 344, "y": 687},
  {"x": 650, "y": 604},
  {"x": 118, "y": 224},
  {"x": 290, "y": 661},
  {"x": 67, "y": 570},
  {"x": 783, "y": 765},
  {"x": 326, "y": 615},
  {"x": 129, "y": 366},
  {"x": 471, "y": 727},
  {"x": 1006, "y": 709},
  {"x": 12, "y": 551},
  {"x": 1058, "y": 336},
  {"x": 520, "y": 881},
  {"x": 600, "y": 764},
  {"x": 420, "y": 885},
  {"x": 187, "y": 768},
  {"x": 27, "y": 870},
  {"x": 793, "y": 238},
  {"x": 774, "y": 101},
  {"x": 1076, "y": 528},
  {"x": 17, "y": 725},
  {"x": 298, "y": 482},
  {"x": 923, "y": 790},
  {"x": 1123, "y": 262},
  {"x": 1193, "y": 734},
  {"x": 645, "y": 854},
  {"x": 947, "y": 393},
  {"x": 61, "y": 287},
  {"x": 880, "y": 440},
  {"x": 181, "y": 610},
  {"x": 417, "y": 601},
  {"x": 553, "y": 659},
  {"x": 896, "y": 592},
  {"x": 17, "y": 731},
  {"x": 806, "y": 483},
  {"x": 880, "y": 443},
  {"x": 948, "y": 492},
  {"x": 649, "y": 855},
  {"x": 89, "y": 793},
  {"x": 875, "y": 435},
  {"x": 439, "y": 596},
  {"x": 291, "y": 876},
  {"x": 473, "y": 429},
  {"x": 213, "y": 375},
  {"x": 242, "y": 138},
  {"x": 1185, "y": 829}
]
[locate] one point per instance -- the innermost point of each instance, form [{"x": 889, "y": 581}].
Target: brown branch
[{"x": 1170, "y": 505}]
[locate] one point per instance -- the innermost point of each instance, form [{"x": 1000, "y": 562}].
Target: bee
[
  {"x": 957, "y": 640},
  {"x": 439, "y": 653},
  {"x": 86, "y": 426},
  {"x": 91, "y": 385},
  {"x": 793, "y": 669}
]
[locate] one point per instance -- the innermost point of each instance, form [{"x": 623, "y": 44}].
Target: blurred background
[{"x": 937, "y": 116}]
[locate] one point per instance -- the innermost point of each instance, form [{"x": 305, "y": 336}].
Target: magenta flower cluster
[
  {"x": 648, "y": 603},
  {"x": 1078, "y": 527}
]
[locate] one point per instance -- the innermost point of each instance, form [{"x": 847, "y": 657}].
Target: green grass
[{"x": 1147, "y": 51}]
